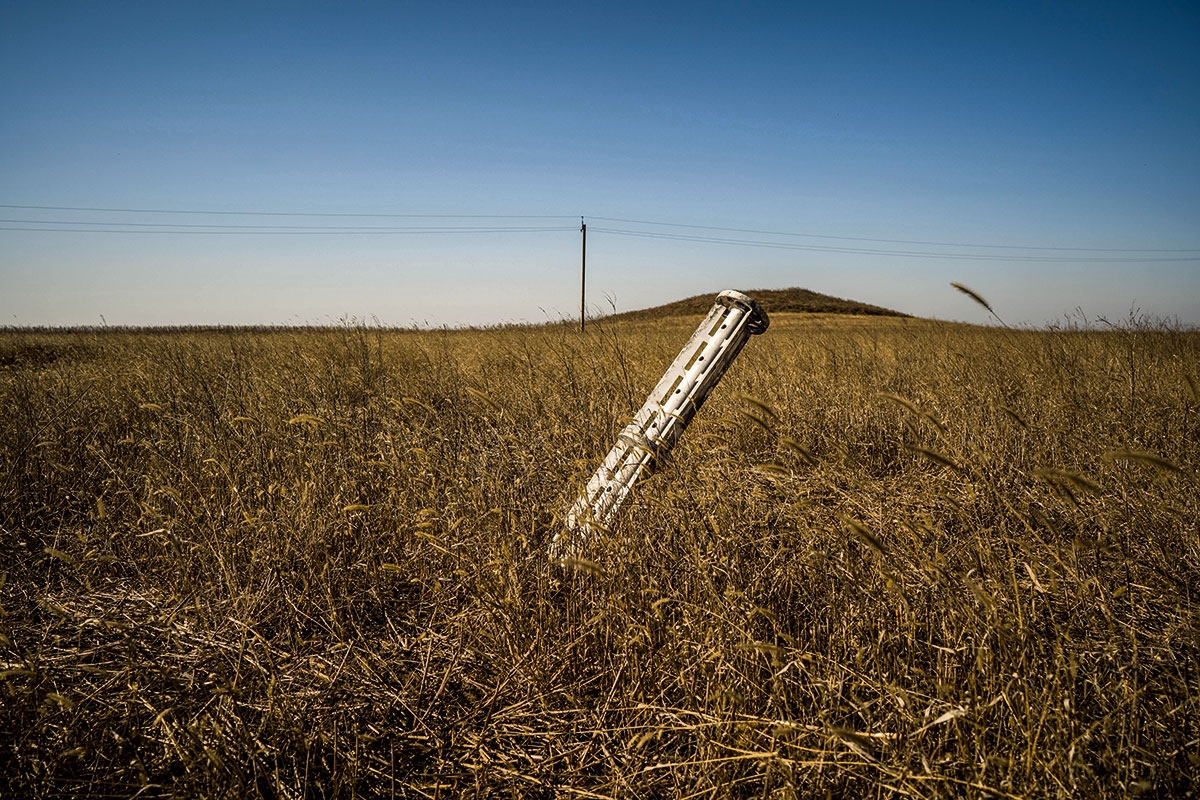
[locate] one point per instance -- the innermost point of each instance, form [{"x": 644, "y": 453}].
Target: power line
[
  {"x": 284, "y": 228},
  {"x": 893, "y": 253},
  {"x": 134, "y": 227},
  {"x": 276, "y": 230},
  {"x": 896, "y": 241},
  {"x": 283, "y": 213}
]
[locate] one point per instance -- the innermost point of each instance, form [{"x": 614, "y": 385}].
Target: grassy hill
[{"x": 775, "y": 301}]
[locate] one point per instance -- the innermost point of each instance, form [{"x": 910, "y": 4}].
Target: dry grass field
[{"x": 890, "y": 557}]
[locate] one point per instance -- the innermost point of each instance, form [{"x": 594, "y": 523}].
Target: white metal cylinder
[{"x": 655, "y": 429}]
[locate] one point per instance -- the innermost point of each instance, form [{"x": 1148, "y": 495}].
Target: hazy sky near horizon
[{"x": 429, "y": 163}]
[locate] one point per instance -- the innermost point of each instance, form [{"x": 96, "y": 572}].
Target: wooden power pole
[{"x": 582, "y": 275}]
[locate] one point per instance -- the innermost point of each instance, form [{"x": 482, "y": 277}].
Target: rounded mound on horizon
[{"x": 773, "y": 301}]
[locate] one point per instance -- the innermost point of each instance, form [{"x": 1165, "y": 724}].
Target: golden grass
[{"x": 891, "y": 556}]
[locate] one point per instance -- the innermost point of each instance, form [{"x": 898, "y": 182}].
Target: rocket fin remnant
[{"x": 656, "y": 428}]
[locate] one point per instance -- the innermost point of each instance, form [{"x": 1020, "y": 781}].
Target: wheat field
[{"x": 890, "y": 557}]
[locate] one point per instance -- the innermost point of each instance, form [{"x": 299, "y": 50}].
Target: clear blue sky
[{"x": 936, "y": 127}]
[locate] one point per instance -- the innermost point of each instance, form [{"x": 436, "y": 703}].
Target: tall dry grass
[{"x": 889, "y": 557}]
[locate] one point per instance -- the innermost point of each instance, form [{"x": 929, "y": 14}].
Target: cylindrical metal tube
[{"x": 656, "y": 428}]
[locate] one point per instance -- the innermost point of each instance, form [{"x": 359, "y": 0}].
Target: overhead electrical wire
[
  {"x": 78, "y": 223},
  {"x": 893, "y": 253},
  {"x": 651, "y": 229},
  {"x": 284, "y": 213},
  {"x": 289, "y": 233},
  {"x": 896, "y": 241},
  {"x": 63, "y": 226}
]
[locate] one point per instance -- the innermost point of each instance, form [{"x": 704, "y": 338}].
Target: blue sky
[{"x": 865, "y": 150}]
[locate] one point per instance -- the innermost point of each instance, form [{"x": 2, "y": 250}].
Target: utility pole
[{"x": 582, "y": 275}]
